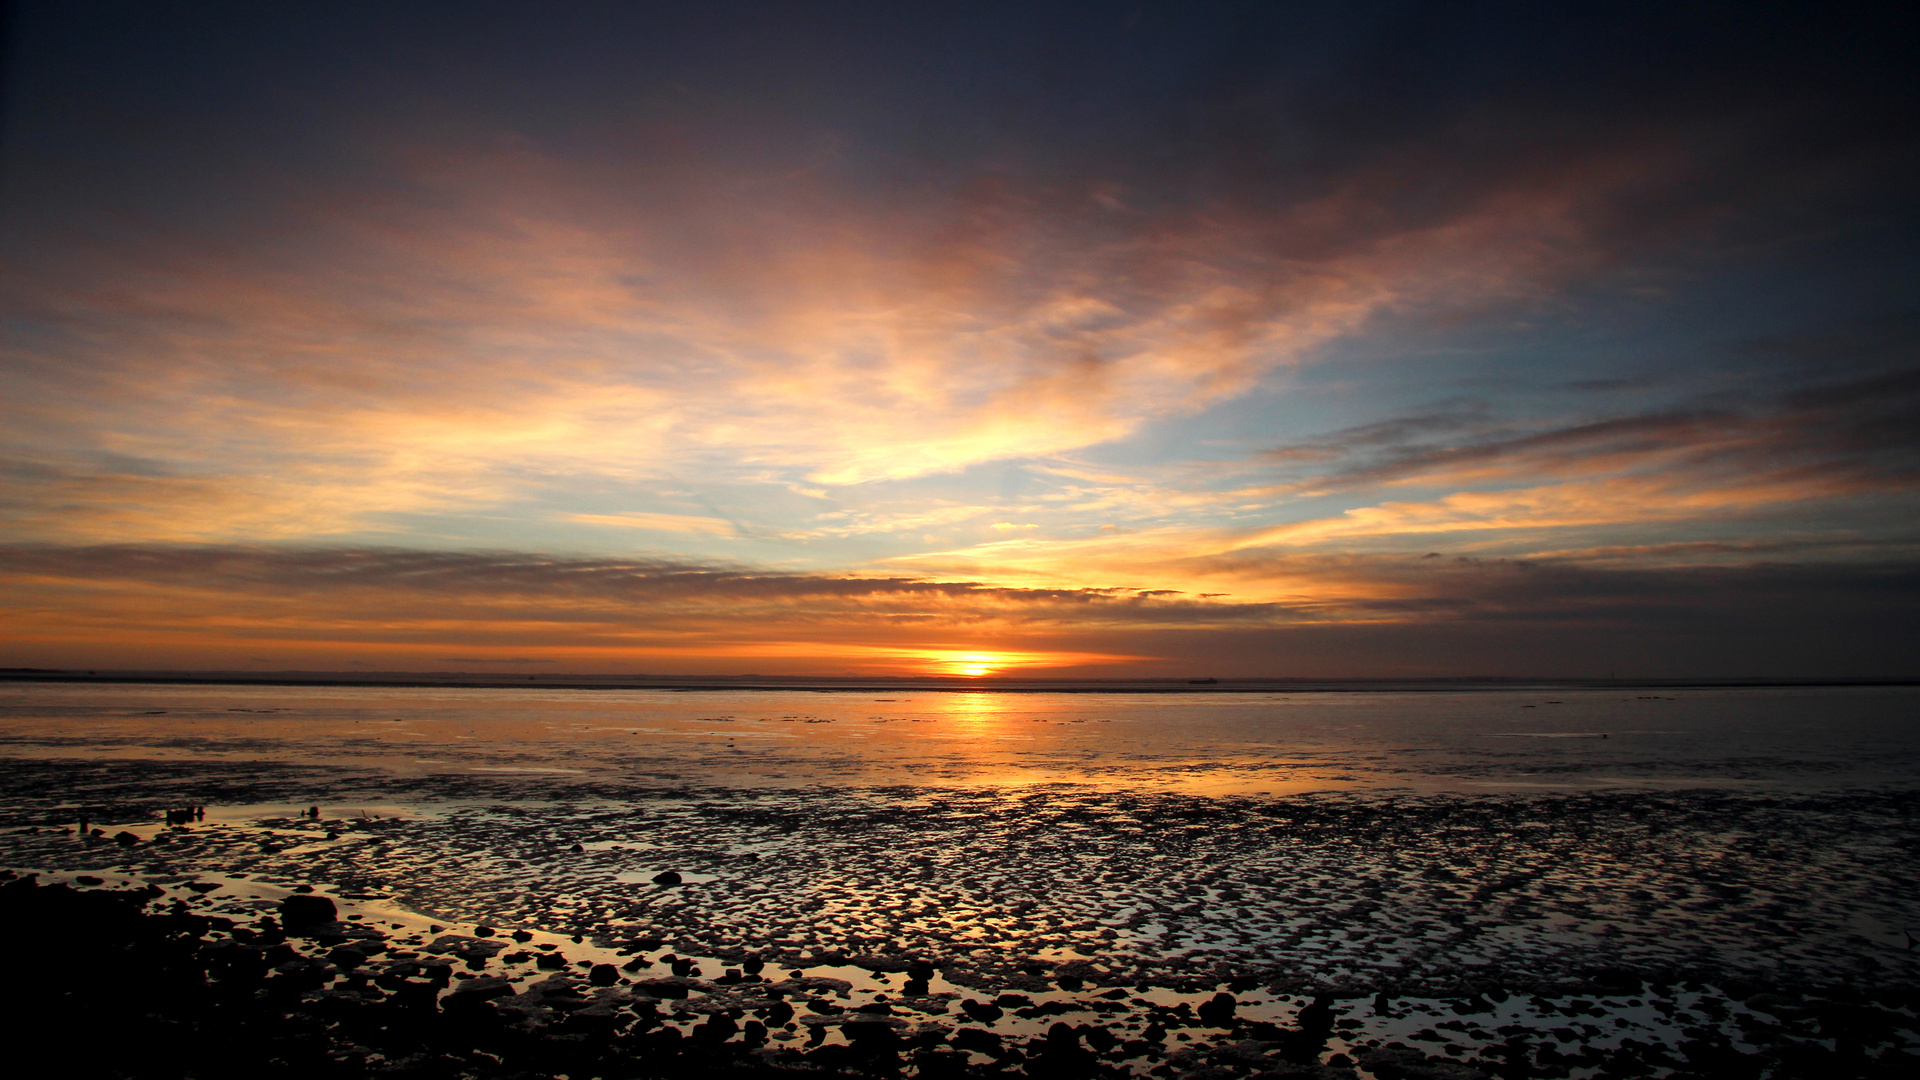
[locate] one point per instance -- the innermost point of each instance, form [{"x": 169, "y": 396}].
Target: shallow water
[{"x": 1203, "y": 743}]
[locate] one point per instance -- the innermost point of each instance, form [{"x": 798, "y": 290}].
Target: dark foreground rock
[
  {"x": 159, "y": 991},
  {"x": 169, "y": 993}
]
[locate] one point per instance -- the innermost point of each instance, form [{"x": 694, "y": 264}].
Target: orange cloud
[
  {"x": 526, "y": 318},
  {"x": 669, "y": 523}
]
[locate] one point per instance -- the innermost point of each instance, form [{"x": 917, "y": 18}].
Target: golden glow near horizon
[{"x": 976, "y": 664}]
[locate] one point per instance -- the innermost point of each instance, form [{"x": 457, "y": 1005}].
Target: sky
[{"x": 1073, "y": 339}]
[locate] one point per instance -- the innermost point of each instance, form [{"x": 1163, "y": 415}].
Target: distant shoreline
[{"x": 930, "y": 684}]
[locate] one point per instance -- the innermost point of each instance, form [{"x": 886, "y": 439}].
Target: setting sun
[{"x": 976, "y": 664}]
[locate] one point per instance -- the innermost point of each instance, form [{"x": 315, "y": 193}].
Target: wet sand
[{"x": 510, "y": 922}]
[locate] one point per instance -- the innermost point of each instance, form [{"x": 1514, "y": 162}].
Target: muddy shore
[{"x": 1043, "y": 932}]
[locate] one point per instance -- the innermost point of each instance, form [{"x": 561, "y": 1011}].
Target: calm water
[{"x": 1214, "y": 743}]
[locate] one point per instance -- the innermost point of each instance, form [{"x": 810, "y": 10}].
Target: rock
[
  {"x": 594, "y": 1018},
  {"x": 552, "y": 961},
  {"x": 718, "y": 1029},
  {"x": 464, "y": 947},
  {"x": 870, "y": 1034},
  {"x": 667, "y": 877},
  {"x": 663, "y": 988},
  {"x": 603, "y": 975},
  {"x": 301, "y": 912},
  {"x": 125, "y": 839},
  {"x": 479, "y": 989},
  {"x": 576, "y": 849},
  {"x": 1398, "y": 1061},
  {"x": 522, "y": 936},
  {"x": 983, "y": 1011},
  {"x": 1293, "y": 1071},
  {"x": 484, "y": 931},
  {"x": 346, "y": 957},
  {"x": 1246, "y": 1052},
  {"x": 985, "y": 1042},
  {"x": 1218, "y": 1010}
]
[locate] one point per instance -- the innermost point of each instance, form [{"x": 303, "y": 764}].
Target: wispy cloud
[
  {"x": 510, "y": 316},
  {"x": 1866, "y": 428},
  {"x": 668, "y": 523}
]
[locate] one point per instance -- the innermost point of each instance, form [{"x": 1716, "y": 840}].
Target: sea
[{"x": 1657, "y": 849}]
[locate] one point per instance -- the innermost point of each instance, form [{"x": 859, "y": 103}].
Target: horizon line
[{"x": 933, "y": 683}]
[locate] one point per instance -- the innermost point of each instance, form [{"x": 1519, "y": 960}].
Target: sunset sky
[{"x": 1105, "y": 339}]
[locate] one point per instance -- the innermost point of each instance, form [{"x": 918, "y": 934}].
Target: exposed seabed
[{"x": 1039, "y": 931}]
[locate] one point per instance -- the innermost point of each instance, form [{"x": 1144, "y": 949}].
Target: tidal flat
[{"x": 1719, "y": 884}]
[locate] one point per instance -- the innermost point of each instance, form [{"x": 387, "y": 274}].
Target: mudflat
[{"x": 1522, "y": 901}]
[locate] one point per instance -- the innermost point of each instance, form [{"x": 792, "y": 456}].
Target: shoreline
[{"x": 928, "y": 684}]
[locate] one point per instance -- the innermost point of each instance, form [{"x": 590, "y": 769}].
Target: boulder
[
  {"x": 718, "y": 1029},
  {"x": 300, "y": 912},
  {"x": 1218, "y": 1010}
]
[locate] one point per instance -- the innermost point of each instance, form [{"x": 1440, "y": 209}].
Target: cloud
[
  {"x": 1864, "y": 425},
  {"x": 1700, "y": 463},
  {"x": 122, "y": 605},
  {"x": 670, "y": 523},
  {"x": 465, "y": 322}
]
